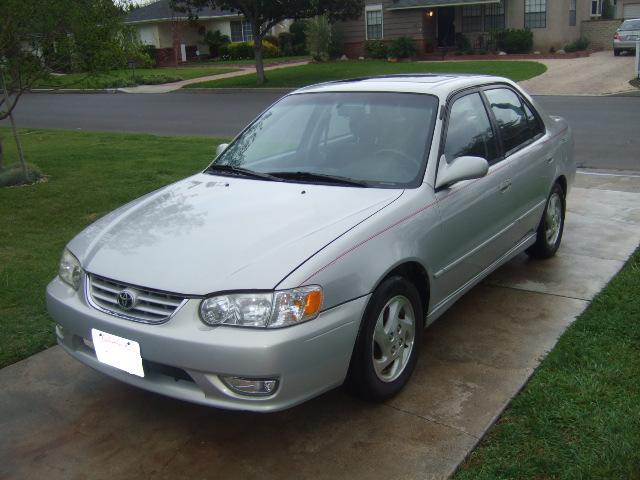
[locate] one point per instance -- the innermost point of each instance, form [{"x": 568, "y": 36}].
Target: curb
[
  {"x": 75, "y": 90},
  {"x": 236, "y": 90}
]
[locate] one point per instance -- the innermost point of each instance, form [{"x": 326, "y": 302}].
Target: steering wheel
[{"x": 399, "y": 154}]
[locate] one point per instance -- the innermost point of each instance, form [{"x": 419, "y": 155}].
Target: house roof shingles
[
  {"x": 161, "y": 10},
  {"x": 406, "y": 4}
]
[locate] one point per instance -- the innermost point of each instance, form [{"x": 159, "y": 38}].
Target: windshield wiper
[
  {"x": 324, "y": 178},
  {"x": 241, "y": 172}
]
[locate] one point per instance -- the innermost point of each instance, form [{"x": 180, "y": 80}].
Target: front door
[
  {"x": 475, "y": 214},
  {"x": 446, "y": 26}
]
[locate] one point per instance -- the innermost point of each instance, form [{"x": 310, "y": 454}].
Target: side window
[
  {"x": 511, "y": 117},
  {"x": 535, "y": 125},
  {"x": 469, "y": 130}
]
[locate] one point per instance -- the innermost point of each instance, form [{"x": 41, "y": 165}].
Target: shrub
[
  {"x": 462, "y": 43},
  {"x": 298, "y": 33},
  {"x": 156, "y": 79},
  {"x": 402, "y": 47},
  {"x": 13, "y": 175},
  {"x": 336, "y": 45},
  {"x": 578, "y": 46},
  {"x": 150, "y": 50},
  {"x": 272, "y": 39},
  {"x": 512, "y": 40},
  {"x": 318, "y": 34},
  {"x": 376, "y": 49},
  {"x": 244, "y": 50},
  {"x": 285, "y": 40},
  {"x": 215, "y": 41}
]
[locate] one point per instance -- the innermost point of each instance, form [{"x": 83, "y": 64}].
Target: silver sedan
[
  {"x": 319, "y": 244},
  {"x": 627, "y": 36}
]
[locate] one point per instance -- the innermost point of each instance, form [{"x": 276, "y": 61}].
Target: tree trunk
[
  {"x": 257, "y": 48},
  {"x": 13, "y": 126}
]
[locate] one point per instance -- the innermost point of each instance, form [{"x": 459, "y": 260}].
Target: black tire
[
  {"x": 616, "y": 52},
  {"x": 546, "y": 247},
  {"x": 362, "y": 379}
]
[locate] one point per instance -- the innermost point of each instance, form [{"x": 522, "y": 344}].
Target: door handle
[
  {"x": 549, "y": 159},
  {"x": 505, "y": 186}
]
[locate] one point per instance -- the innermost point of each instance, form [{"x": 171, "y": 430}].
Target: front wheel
[
  {"x": 387, "y": 346},
  {"x": 616, "y": 52},
  {"x": 549, "y": 234}
]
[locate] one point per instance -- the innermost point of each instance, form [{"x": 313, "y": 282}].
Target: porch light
[{"x": 430, "y": 13}]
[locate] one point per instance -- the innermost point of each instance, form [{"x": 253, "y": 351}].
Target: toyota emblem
[{"x": 126, "y": 299}]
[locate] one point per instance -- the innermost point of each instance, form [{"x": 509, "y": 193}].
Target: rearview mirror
[
  {"x": 221, "y": 148},
  {"x": 461, "y": 168}
]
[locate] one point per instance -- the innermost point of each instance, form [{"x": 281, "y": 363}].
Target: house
[
  {"x": 176, "y": 39},
  {"x": 627, "y": 8},
  {"x": 434, "y": 24}
]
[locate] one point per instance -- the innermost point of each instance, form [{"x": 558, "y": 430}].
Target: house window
[
  {"x": 535, "y": 13},
  {"x": 241, "y": 31},
  {"x": 572, "y": 13},
  {"x": 494, "y": 17},
  {"x": 373, "y": 16},
  {"x": 471, "y": 19}
]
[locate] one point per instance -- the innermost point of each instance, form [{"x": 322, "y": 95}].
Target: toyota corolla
[{"x": 319, "y": 244}]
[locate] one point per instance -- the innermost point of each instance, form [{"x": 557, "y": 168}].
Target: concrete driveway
[
  {"x": 60, "y": 419},
  {"x": 599, "y": 74}
]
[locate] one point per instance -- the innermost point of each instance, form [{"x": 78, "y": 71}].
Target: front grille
[{"x": 150, "y": 306}]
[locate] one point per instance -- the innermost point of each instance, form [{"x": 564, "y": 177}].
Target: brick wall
[{"x": 600, "y": 32}]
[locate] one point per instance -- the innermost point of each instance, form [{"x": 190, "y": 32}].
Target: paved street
[
  {"x": 60, "y": 420},
  {"x": 606, "y": 128}
]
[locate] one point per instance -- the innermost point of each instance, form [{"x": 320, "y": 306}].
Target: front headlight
[
  {"x": 70, "y": 270},
  {"x": 266, "y": 310}
]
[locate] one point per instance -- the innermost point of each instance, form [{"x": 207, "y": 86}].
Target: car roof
[{"x": 441, "y": 84}]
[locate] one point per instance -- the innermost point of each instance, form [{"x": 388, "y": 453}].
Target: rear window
[{"x": 630, "y": 25}]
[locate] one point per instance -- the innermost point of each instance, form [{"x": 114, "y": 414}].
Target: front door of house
[{"x": 446, "y": 27}]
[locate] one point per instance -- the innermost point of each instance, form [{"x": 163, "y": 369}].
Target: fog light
[{"x": 251, "y": 386}]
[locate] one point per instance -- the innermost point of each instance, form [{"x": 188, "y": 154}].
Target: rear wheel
[
  {"x": 616, "y": 52},
  {"x": 387, "y": 346},
  {"x": 551, "y": 226}
]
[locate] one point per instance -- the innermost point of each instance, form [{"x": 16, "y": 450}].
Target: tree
[
  {"x": 38, "y": 38},
  {"x": 265, "y": 14},
  {"x": 318, "y": 37},
  {"x": 215, "y": 40}
]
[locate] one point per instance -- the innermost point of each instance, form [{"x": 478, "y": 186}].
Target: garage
[{"x": 632, "y": 11}]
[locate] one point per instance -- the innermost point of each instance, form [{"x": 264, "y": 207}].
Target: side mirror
[
  {"x": 461, "y": 168},
  {"x": 221, "y": 148}
]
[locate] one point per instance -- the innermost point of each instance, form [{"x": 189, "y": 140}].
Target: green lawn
[
  {"x": 322, "y": 72},
  {"x": 86, "y": 181},
  {"x": 579, "y": 416},
  {"x": 122, "y": 78}
]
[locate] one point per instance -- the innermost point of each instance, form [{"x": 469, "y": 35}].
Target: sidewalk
[{"x": 170, "y": 87}]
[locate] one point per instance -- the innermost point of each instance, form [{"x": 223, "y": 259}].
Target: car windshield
[
  {"x": 630, "y": 25},
  {"x": 366, "y": 138}
]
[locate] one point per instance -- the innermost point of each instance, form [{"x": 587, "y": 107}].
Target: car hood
[{"x": 207, "y": 233}]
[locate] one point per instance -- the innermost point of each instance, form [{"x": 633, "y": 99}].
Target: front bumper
[
  {"x": 184, "y": 359},
  {"x": 624, "y": 44}
]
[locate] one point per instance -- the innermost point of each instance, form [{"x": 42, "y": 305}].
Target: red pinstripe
[{"x": 411, "y": 215}]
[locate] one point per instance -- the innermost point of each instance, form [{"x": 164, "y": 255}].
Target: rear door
[
  {"x": 530, "y": 156},
  {"x": 475, "y": 214}
]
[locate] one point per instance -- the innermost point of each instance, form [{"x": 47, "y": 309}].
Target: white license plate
[{"x": 118, "y": 352}]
